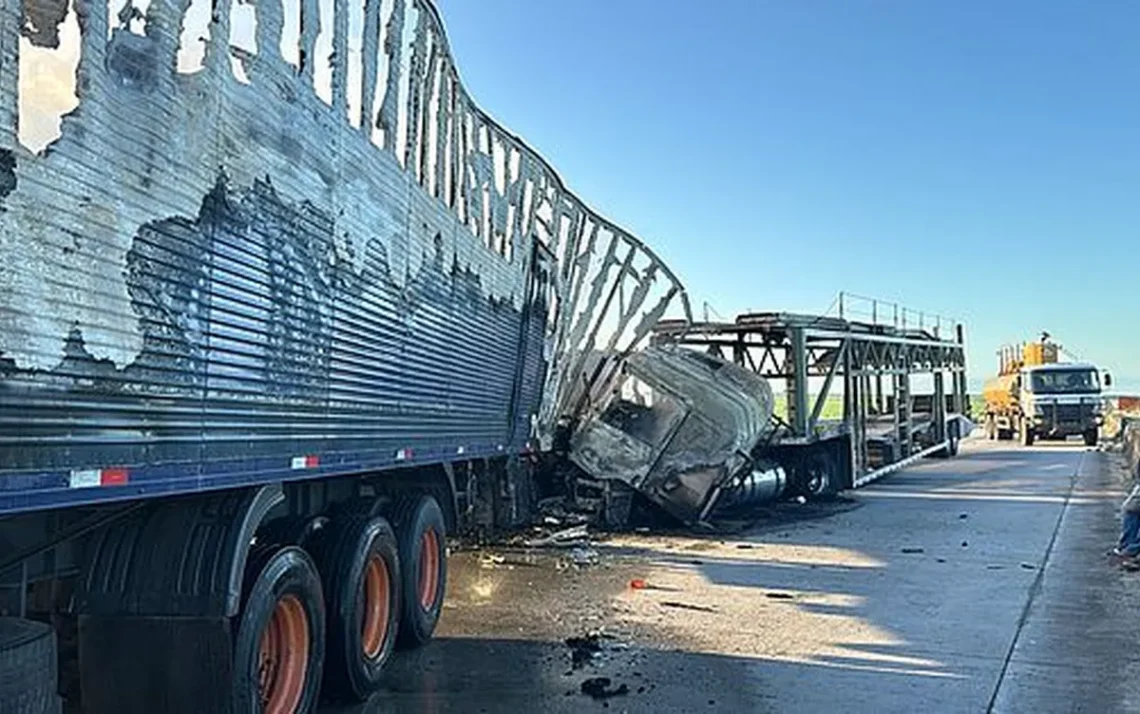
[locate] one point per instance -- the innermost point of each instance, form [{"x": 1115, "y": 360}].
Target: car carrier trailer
[
  {"x": 869, "y": 355},
  {"x": 280, "y": 309}
]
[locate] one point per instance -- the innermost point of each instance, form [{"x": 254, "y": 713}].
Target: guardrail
[{"x": 1130, "y": 437}]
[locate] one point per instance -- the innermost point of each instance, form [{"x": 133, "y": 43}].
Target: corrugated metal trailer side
[{"x": 284, "y": 273}]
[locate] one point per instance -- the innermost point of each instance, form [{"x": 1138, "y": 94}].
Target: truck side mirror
[{"x": 1107, "y": 379}]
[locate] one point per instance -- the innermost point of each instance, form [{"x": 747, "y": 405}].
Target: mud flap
[{"x": 192, "y": 676}]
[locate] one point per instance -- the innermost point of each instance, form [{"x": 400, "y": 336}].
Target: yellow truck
[{"x": 1036, "y": 396}]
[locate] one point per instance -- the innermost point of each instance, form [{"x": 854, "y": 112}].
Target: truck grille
[{"x": 1067, "y": 413}]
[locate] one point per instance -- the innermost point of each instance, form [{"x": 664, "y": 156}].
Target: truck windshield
[
  {"x": 1065, "y": 381},
  {"x": 645, "y": 413}
]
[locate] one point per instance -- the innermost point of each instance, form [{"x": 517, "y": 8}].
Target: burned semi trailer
[{"x": 281, "y": 308}]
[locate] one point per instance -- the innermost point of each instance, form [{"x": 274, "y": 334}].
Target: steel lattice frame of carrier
[{"x": 885, "y": 425}]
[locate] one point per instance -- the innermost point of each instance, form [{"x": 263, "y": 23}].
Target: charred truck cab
[{"x": 678, "y": 426}]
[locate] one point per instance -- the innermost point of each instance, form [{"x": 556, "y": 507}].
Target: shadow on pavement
[
  {"x": 908, "y": 603},
  {"x": 483, "y": 676}
]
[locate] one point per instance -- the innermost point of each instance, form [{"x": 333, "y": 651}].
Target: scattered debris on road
[
  {"x": 599, "y": 688},
  {"x": 568, "y": 537},
  {"x": 582, "y": 557},
  {"x": 687, "y": 606},
  {"x": 1029, "y": 566},
  {"x": 640, "y": 584},
  {"x": 780, "y": 596},
  {"x": 584, "y": 649},
  {"x": 913, "y": 550}
]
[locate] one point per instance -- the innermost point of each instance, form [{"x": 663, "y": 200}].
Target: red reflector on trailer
[
  {"x": 94, "y": 478},
  {"x": 306, "y": 462},
  {"x": 113, "y": 477}
]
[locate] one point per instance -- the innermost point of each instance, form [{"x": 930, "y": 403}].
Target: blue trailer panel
[{"x": 244, "y": 265}]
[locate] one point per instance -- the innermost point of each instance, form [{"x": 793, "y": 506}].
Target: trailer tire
[
  {"x": 28, "y": 680},
  {"x": 952, "y": 439},
  {"x": 1091, "y": 436},
  {"x": 421, "y": 534},
  {"x": 360, "y": 569},
  {"x": 280, "y": 644}
]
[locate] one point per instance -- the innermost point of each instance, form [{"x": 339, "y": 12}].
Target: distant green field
[
  {"x": 977, "y": 407},
  {"x": 832, "y": 408}
]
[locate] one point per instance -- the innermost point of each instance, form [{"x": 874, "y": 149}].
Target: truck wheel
[
  {"x": 360, "y": 569},
  {"x": 817, "y": 477},
  {"x": 27, "y": 667},
  {"x": 280, "y": 644},
  {"x": 421, "y": 534},
  {"x": 1091, "y": 437},
  {"x": 1026, "y": 434}
]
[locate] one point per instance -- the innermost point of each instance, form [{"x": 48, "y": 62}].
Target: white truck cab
[{"x": 1060, "y": 400}]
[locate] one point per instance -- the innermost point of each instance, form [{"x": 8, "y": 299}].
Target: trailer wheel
[
  {"x": 280, "y": 644},
  {"x": 360, "y": 569},
  {"x": 952, "y": 439},
  {"x": 1091, "y": 436},
  {"x": 27, "y": 667},
  {"x": 421, "y": 534}
]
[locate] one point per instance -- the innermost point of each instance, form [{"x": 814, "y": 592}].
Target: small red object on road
[{"x": 638, "y": 584}]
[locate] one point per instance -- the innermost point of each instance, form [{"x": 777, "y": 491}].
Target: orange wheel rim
[
  {"x": 283, "y": 657},
  {"x": 377, "y": 592},
  {"x": 429, "y": 568}
]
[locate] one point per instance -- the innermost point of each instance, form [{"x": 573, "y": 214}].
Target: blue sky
[{"x": 975, "y": 159}]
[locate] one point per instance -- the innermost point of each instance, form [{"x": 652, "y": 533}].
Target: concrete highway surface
[{"x": 976, "y": 584}]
